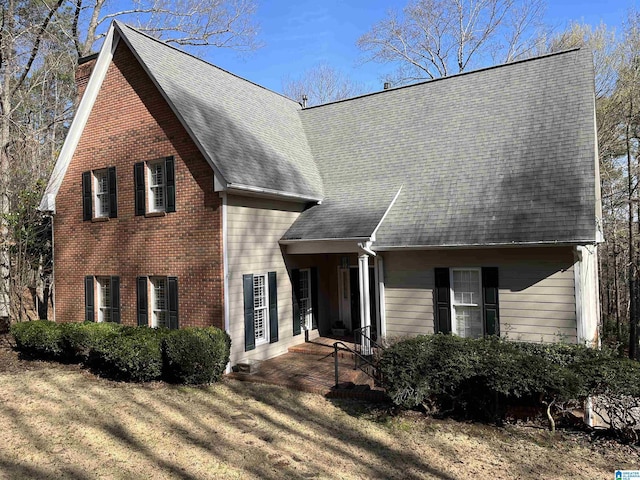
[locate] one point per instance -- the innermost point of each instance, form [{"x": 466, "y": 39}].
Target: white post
[{"x": 365, "y": 313}]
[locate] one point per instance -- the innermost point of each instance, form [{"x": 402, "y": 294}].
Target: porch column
[{"x": 365, "y": 314}]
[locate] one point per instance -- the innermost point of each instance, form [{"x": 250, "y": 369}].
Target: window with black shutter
[{"x": 260, "y": 309}]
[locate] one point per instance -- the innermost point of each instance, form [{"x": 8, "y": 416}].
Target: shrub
[
  {"x": 81, "y": 338},
  {"x": 40, "y": 338},
  {"x": 195, "y": 355},
  {"x": 561, "y": 354},
  {"x": 128, "y": 353},
  {"x": 477, "y": 378}
]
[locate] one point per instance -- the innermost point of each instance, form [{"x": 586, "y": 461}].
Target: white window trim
[
  {"x": 152, "y": 301},
  {"x": 97, "y": 203},
  {"x": 100, "y": 304},
  {"x": 265, "y": 338},
  {"x": 151, "y": 208},
  {"x": 306, "y": 316},
  {"x": 454, "y": 323}
]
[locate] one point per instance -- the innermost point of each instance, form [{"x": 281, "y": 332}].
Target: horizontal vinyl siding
[
  {"x": 254, "y": 227},
  {"x": 537, "y": 300}
]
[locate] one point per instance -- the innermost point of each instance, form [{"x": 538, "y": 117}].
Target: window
[
  {"x": 104, "y": 299},
  {"x": 160, "y": 310},
  {"x": 106, "y": 293},
  {"x": 305, "y": 299},
  {"x": 466, "y": 302},
  {"x": 99, "y": 194},
  {"x": 155, "y": 186},
  {"x": 159, "y": 297},
  {"x": 260, "y": 309}
]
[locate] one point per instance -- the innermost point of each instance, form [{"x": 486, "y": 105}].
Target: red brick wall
[{"x": 131, "y": 122}]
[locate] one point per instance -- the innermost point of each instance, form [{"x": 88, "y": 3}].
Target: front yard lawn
[{"x": 60, "y": 421}]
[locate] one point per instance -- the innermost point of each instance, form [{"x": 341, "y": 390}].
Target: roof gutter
[{"x": 382, "y": 248}]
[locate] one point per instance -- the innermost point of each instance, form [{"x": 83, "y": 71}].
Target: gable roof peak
[{"x": 120, "y": 27}]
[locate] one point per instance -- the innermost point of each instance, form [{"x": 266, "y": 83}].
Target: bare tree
[
  {"x": 31, "y": 53},
  {"x": 602, "y": 43},
  {"x": 321, "y": 84},
  {"x": 435, "y": 38},
  {"x": 219, "y": 23}
]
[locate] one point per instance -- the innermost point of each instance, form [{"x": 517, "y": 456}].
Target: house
[{"x": 187, "y": 196}]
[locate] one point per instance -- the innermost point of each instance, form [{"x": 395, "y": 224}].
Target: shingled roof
[
  {"x": 252, "y": 136},
  {"x": 504, "y": 155}
]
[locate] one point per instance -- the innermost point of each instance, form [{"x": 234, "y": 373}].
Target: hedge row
[
  {"x": 139, "y": 354},
  {"x": 478, "y": 378}
]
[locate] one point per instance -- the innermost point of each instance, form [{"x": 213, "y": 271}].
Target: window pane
[
  {"x": 466, "y": 287},
  {"x": 259, "y": 299},
  {"x": 160, "y": 294},
  {"x": 260, "y": 324},
  {"x": 469, "y": 321},
  {"x": 157, "y": 174},
  {"x": 105, "y": 294},
  {"x": 156, "y": 187},
  {"x": 101, "y": 193},
  {"x": 160, "y": 318}
]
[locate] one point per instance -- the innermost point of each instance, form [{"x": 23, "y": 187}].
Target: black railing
[{"x": 365, "y": 352}]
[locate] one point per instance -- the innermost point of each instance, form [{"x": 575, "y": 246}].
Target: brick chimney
[{"x": 83, "y": 72}]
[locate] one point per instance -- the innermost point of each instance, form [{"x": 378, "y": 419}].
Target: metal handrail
[
  {"x": 340, "y": 345},
  {"x": 360, "y": 331}
]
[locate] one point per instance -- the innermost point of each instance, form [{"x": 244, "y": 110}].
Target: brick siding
[{"x": 131, "y": 122}]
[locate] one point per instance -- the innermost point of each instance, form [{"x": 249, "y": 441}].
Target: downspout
[
  {"x": 225, "y": 269},
  {"x": 52, "y": 289}
]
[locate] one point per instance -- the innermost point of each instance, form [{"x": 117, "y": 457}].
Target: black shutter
[
  {"x": 138, "y": 174},
  {"x": 87, "y": 207},
  {"x": 143, "y": 305},
  {"x": 88, "y": 299},
  {"x": 171, "y": 184},
  {"x": 490, "y": 312},
  {"x": 295, "y": 289},
  {"x": 249, "y": 327},
  {"x": 314, "y": 298},
  {"x": 273, "y": 308},
  {"x": 115, "y": 299},
  {"x": 442, "y": 295},
  {"x": 173, "y": 302},
  {"x": 113, "y": 192}
]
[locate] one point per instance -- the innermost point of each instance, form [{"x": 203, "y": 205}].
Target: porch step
[
  {"x": 314, "y": 373},
  {"x": 312, "y": 348}
]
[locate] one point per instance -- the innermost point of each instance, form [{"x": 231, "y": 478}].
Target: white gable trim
[{"x": 48, "y": 202}]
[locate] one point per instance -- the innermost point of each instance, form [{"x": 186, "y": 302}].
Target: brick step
[{"x": 319, "y": 349}]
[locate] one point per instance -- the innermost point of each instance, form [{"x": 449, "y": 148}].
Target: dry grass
[{"x": 62, "y": 422}]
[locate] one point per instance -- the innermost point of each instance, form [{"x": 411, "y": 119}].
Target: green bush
[
  {"x": 608, "y": 375},
  {"x": 561, "y": 354},
  {"x": 475, "y": 378},
  {"x": 40, "y": 339},
  {"x": 81, "y": 338},
  {"x": 129, "y": 353},
  {"x": 195, "y": 355},
  {"x": 139, "y": 354}
]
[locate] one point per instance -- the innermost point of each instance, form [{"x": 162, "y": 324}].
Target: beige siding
[
  {"x": 537, "y": 301},
  {"x": 254, "y": 227}
]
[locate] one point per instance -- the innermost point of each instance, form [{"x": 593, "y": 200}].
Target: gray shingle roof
[
  {"x": 498, "y": 156},
  {"x": 252, "y": 136}
]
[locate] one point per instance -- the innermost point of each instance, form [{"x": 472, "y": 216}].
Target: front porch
[{"x": 310, "y": 367}]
